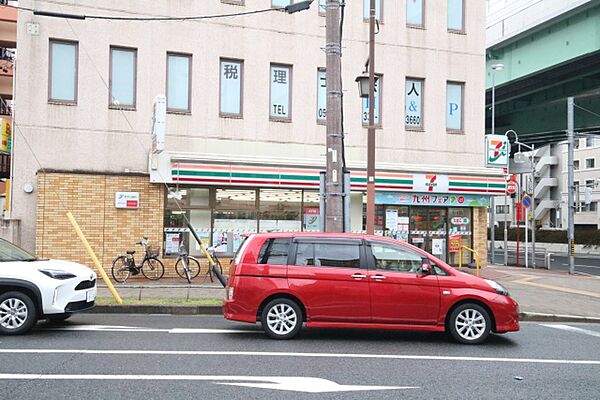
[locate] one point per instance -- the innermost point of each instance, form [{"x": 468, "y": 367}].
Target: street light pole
[
  {"x": 334, "y": 175},
  {"x": 371, "y": 129},
  {"x": 570, "y": 183},
  {"x": 495, "y": 67}
]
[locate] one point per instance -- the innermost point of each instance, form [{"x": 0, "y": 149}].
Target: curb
[
  {"x": 541, "y": 317},
  {"x": 218, "y": 310},
  {"x": 156, "y": 309}
]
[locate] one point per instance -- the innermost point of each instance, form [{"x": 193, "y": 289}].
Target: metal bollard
[{"x": 548, "y": 258}]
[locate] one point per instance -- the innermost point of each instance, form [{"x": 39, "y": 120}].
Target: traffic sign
[
  {"x": 526, "y": 201},
  {"x": 511, "y": 187}
]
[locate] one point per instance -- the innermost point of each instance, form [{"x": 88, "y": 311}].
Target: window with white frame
[
  {"x": 231, "y": 87},
  {"x": 377, "y": 101},
  {"x": 413, "y": 96},
  {"x": 179, "y": 83},
  {"x": 414, "y": 12},
  {"x": 367, "y": 9},
  {"x": 503, "y": 209},
  {"x": 590, "y": 163},
  {"x": 454, "y": 106},
  {"x": 456, "y": 13},
  {"x": 63, "y": 71},
  {"x": 321, "y": 96},
  {"x": 122, "y": 77},
  {"x": 281, "y": 93},
  {"x": 576, "y": 165}
]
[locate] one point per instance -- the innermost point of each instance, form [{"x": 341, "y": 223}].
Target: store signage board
[
  {"x": 127, "y": 200},
  {"x": 497, "y": 151},
  {"x": 427, "y": 199},
  {"x": 431, "y": 183}
]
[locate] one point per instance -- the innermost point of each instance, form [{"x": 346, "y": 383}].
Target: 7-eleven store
[{"x": 435, "y": 210}]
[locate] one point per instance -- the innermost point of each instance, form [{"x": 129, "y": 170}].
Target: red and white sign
[
  {"x": 127, "y": 200},
  {"x": 511, "y": 187}
]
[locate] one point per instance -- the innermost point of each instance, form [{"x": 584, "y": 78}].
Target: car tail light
[{"x": 229, "y": 293}]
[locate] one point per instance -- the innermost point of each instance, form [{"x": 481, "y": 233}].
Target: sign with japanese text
[
  {"x": 497, "y": 151},
  {"x": 413, "y": 103},
  {"x": 428, "y": 199},
  {"x": 127, "y": 200},
  {"x": 454, "y": 243},
  {"x": 280, "y": 91},
  {"x": 322, "y": 95},
  {"x": 231, "y": 87},
  {"x": 365, "y": 105}
]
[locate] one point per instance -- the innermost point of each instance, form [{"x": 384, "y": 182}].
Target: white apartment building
[{"x": 246, "y": 109}]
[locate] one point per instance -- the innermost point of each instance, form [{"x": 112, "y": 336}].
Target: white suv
[{"x": 32, "y": 289}]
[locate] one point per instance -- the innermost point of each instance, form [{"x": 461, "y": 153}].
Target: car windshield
[{"x": 10, "y": 252}]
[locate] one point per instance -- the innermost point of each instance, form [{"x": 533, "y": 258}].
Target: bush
[{"x": 587, "y": 237}]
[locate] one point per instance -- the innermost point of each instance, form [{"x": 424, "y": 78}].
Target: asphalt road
[
  {"x": 155, "y": 357},
  {"x": 558, "y": 262}
]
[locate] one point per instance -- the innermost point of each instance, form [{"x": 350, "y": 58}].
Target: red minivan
[{"x": 339, "y": 280}]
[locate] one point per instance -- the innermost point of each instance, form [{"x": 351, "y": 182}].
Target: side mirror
[{"x": 426, "y": 268}]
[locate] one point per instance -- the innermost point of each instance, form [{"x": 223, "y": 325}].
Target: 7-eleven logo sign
[
  {"x": 431, "y": 184},
  {"x": 497, "y": 150}
]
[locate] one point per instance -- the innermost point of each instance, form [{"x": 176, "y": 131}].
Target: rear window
[
  {"x": 328, "y": 255},
  {"x": 274, "y": 251}
]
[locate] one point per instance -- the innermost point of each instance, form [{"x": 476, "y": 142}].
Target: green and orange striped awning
[{"x": 308, "y": 178}]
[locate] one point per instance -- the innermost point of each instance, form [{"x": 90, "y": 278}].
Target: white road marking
[
  {"x": 308, "y": 355},
  {"x": 582, "y": 265},
  {"x": 572, "y": 329},
  {"x": 118, "y": 328},
  {"x": 288, "y": 383}
]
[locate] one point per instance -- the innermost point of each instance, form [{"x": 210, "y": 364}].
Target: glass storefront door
[{"x": 428, "y": 230}]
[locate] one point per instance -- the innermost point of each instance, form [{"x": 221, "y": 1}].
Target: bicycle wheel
[
  {"x": 120, "y": 269},
  {"x": 153, "y": 269},
  {"x": 193, "y": 268},
  {"x": 218, "y": 266}
]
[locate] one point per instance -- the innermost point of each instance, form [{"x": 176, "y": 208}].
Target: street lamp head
[
  {"x": 298, "y": 6},
  {"x": 497, "y": 67},
  {"x": 363, "y": 85}
]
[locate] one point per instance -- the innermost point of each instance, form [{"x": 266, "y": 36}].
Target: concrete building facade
[{"x": 245, "y": 122}]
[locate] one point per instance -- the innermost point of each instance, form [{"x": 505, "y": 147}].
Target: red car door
[
  {"x": 400, "y": 293},
  {"x": 330, "y": 276}
]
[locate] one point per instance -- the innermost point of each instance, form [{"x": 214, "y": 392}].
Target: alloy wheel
[
  {"x": 13, "y": 313},
  {"x": 470, "y": 324},
  {"x": 282, "y": 319}
]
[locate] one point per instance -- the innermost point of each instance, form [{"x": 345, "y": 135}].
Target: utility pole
[
  {"x": 533, "y": 206},
  {"x": 334, "y": 176},
  {"x": 570, "y": 183},
  {"x": 371, "y": 129}
]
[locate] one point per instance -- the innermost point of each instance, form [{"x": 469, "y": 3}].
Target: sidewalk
[
  {"x": 548, "y": 292},
  {"x": 542, "y": 295}
]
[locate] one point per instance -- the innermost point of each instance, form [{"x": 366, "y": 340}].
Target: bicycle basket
[{"x": 153, "y": 251}]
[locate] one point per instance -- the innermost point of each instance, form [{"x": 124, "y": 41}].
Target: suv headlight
[
  {"x": 57, "y": 274},
  {"x": 497, "y": 287}
]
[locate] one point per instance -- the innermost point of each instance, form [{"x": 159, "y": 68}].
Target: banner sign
[
  {"x": 427, "y": 199},
  {"x": 127, "y": 200},
  {"x": 497, "y": 151}
]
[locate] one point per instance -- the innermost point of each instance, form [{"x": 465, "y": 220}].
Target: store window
[
  {"x": 397, "y": 222},
  {"x": 181, "y": 206},
  {"x": 231, "y": 88},
  {"x": 234, "y": 215},
  {"x": 413, "y": 101},
  {"x": 367, "y": 9},
  {"x": 414, "y": 12},
  {"x": 179, "y": 82},
  {"x": 63, "y": 71},
  {"x": 459, "y": 234},
  {"x": 123, "y": 77},
  {"x": 281, "y": 92},
  {"x": 454, "y": 106},
  {"x": 280, "y": 210},
  {"x": 456, "y": 13}
]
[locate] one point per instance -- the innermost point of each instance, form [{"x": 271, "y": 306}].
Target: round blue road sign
[{"x": 526, "y": 201}]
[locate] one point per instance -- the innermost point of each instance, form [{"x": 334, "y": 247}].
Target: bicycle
[
  {"x": 151, "y": 267},
  {"x": 188, "y": 267}
]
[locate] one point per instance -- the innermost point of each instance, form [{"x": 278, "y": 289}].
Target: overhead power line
[{"x": 290, "y": 9}]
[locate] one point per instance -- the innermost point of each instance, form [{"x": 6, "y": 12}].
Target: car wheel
[
  {"x": 282, "y": 319},
  {"x": 470, "y": 324},
  {"x": 17, "y": 313}
]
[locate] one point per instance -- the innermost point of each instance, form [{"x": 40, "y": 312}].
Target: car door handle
[
  {"x": 378, "y": 277},
  {"x": 359, "y": 276}
]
